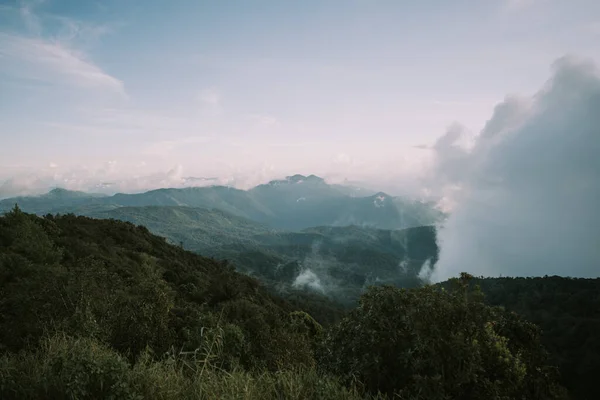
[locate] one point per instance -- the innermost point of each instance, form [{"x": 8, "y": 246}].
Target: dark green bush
[{"x": 429, "y": 343}]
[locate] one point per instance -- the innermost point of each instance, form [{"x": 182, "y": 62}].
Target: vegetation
[
  {"x": 345, "y": 260},
  {"x": 429, "y": 343},
  {"x": 104, "y": 309},
  {"x": 568, "y": 312}
]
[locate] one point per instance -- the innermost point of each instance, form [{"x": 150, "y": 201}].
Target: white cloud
[
  {"x": 52, "y": 62},
  {"x": 526, "y": 191},
  {"x": 106, "y": 178},
  {"x": 49, "y": 53}
]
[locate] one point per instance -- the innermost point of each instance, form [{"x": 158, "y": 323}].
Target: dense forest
[
  {"x": 568, "y": 312},
  {"x": 339, "y": 261},
  {"x": 105, "y": 309}
]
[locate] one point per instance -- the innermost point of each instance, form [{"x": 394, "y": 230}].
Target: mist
[{"x": 526, "y": 188}]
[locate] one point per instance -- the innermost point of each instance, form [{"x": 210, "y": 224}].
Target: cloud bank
[{"x": 527, "y": 188}]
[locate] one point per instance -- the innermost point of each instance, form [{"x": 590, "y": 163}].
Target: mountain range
[
  {"x": 295, "y": 203},
  {"x": 296, "y": 233},
  {"x": 336, "y": 261}
]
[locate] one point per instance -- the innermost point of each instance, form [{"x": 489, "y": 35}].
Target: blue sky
[{"x": 140, "y": 94}]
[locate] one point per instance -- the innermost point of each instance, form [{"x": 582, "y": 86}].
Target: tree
[{"x": 431, "y": 343}]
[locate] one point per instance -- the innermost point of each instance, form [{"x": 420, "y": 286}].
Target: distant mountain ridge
[
  {"x": 337, "y": 261},
  {"x": 294, "y": 203}
]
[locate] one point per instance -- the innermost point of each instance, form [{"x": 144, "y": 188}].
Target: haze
[{"x": 489, "y": 107}]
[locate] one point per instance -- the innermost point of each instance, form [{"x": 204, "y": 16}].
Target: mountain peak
[
  {"x": 61, "y": 192},
  {"x": 382, "y": 195},
  {"x": 301, "y": 178}
]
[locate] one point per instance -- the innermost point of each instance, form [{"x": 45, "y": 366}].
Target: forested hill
[
  {"x": 335, "y": 261},
  {"x": 568, "y": 312},
  {"x": 104, "y": 309},
  {"x": 129, "y": 287}
]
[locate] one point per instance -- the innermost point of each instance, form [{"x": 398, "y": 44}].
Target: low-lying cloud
[
  {"x": 527, "y": 188},
  {"x": 308, "y": 278}
]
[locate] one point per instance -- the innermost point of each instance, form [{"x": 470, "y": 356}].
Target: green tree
[{"x": 429, "y": 343}]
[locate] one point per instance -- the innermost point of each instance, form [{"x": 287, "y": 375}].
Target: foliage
[
  {"x": 346, "y": 259},
  {"x": 69, "y": 368},
  {"x": 429, "y": 343},
  {"x": 117, "y": 283},
  {"x": 568, "y": 312},
  {"x": 104, "y": 309}
]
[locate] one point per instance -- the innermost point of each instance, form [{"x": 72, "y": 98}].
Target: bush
[
  {"x": 70, "y": 368},
  {"x": 65, "y": 368},
  {"x": 429, "y": 343}
]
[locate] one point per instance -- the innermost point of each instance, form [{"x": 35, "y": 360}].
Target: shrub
[{"x": 429, "y": 343}]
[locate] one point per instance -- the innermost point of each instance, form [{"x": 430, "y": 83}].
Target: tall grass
[{"x": 64, "y": 367}]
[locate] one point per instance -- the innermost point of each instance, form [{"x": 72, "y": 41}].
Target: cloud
[
  {"x": 526, "y": 190},
  {"x": 52, "y": 62},
  {"x": 51, "y": 55},
  {"x": 107, "y": 178},
  {"x": 309, "y": 279},
  {"x": 31, "y": 20}
]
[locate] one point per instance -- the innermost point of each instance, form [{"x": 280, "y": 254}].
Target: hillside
[
  {"x": 339, "y": 262},
  {"x": 568, "y": 312},
  {"x": 104, "y": 309},
  {"x": 295, "y": 203},
  {"x": 57, "y": 200}
]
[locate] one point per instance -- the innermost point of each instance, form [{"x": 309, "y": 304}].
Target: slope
[{"x": 336, "y": 261}]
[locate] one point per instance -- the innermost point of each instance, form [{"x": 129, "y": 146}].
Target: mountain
[
  {"x": 197, "y": 229},
  {"x": 294, "y": 203},
  {"x": 336, "y": 261},
  {"x": 54, "y": 201},
  {"x": 104, "y": 309},
  {"x": 568, "y": 312}
]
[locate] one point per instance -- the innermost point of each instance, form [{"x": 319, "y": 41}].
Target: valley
[{"x": 263, "y": 239}]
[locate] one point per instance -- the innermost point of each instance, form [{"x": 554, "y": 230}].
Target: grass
[{"x": 64, "y": 367}]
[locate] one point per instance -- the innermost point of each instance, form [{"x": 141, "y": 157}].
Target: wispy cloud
[
  {"x": 30, "y": 19},
  {"x": 51, "y": 55},
  {"x": 52, "y": 62}
]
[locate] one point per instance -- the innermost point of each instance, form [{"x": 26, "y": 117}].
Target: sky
[{"x": 123, "y": 95}]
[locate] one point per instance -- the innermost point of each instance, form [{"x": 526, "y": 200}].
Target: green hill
[
  {"x": 339, "y": 262},
  {"x": 568, "y": 312},
  {"x": 104, "y": 309}
]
